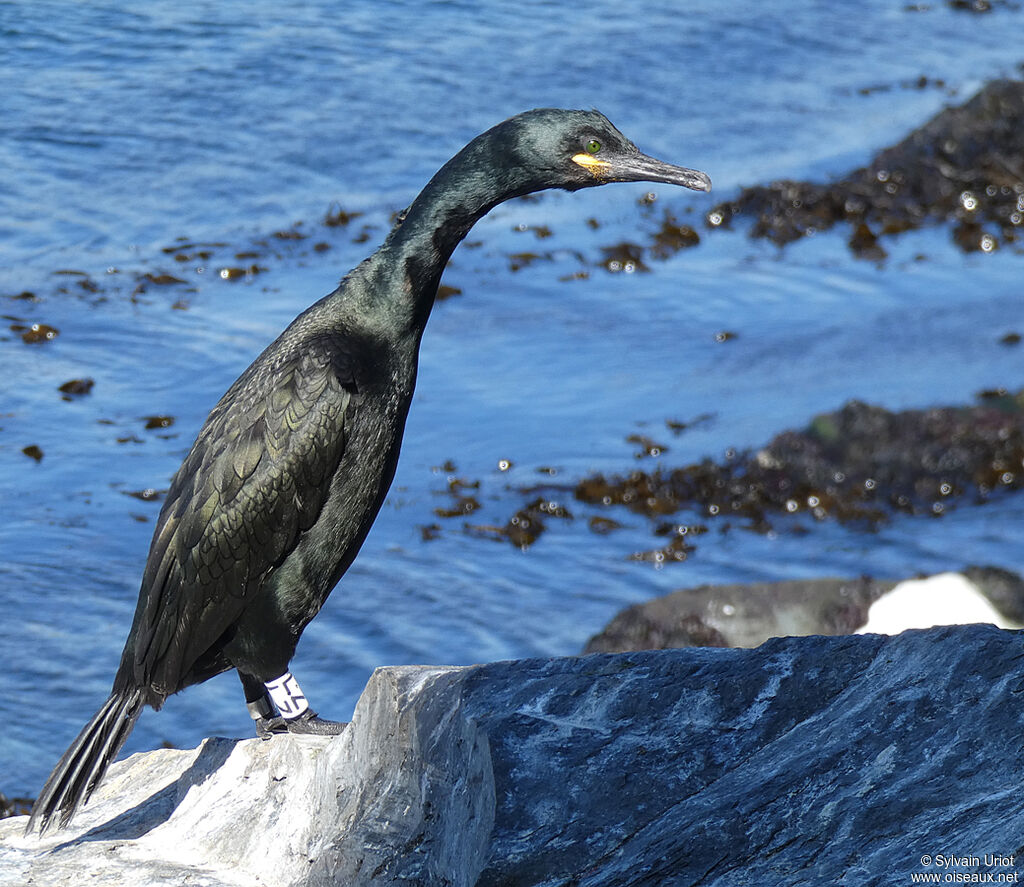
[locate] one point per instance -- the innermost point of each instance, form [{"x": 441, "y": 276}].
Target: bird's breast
[{"x": 373, "y": 429}]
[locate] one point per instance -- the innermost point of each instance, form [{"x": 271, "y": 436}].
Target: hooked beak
[{"x": 641, "y": 168}]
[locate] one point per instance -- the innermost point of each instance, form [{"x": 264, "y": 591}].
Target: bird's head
[
  {"x": 533, "y": 151},
  {"x": 581, "y": 149}
]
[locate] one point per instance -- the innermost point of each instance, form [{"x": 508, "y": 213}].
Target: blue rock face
[{"x": 805, "y": 761}]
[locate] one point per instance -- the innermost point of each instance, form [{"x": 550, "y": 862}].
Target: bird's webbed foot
[
  {"x": 267, "y": 727},
  {"x": 265, "y": 718},
  {"x": 311, "y": 724}
]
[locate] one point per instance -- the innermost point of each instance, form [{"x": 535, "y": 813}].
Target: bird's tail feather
[{"x": 82, "y": 767}]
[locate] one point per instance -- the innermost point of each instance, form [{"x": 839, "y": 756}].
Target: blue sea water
[{"x": 128, "y": 129}]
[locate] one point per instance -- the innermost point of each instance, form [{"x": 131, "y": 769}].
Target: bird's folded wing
[{"x": 255, "y": 480}]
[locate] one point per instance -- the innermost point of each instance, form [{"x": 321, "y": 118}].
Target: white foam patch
[{"x": 943, "y": 599}]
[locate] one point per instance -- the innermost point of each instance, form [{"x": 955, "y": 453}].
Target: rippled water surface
[{"x": 130, "y": 131}]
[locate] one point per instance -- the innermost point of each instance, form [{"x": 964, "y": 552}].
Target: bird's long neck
[{"x": 406, "y": 270}]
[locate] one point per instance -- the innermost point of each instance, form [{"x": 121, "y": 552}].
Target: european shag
[{"x": 289, "y": 470}]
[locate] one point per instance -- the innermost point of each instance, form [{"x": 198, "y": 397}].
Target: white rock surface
[
  {"x": 943, "y": 599},
  {"x": 226, "y": 813}
]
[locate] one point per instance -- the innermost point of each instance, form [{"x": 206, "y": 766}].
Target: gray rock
[
  {"x": 748, "y": 615},
  {"x": 1003, "y": 588},
  {"x": 416, "y": 791},
  {"x": 807, "y": 761},
  {"x": 741, "y": 615}
]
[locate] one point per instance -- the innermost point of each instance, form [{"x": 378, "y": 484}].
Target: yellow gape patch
[{"x": 592, "y": 163}]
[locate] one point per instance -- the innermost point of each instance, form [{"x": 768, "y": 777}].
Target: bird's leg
[
  {"x": 265, "y": 718},
  {"x": 261, "y": 708},
  {"x": 280, "y": 706},
  {"x": 294, "y": 708}
]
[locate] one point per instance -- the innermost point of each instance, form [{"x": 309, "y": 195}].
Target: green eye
[{"x": 593, "y": 146}]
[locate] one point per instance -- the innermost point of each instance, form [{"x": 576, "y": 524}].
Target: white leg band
[{"x": 287, "y": 696}]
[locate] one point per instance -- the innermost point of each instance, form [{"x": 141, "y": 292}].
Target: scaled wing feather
[{"x": 256, "y": 478}]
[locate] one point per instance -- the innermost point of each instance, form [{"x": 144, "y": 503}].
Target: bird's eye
[{"x": 593, "y": 146}]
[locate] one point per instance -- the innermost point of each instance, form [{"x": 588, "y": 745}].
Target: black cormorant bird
[{"x": 292, "y": 465}]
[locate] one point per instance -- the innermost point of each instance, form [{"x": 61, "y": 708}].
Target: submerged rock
[
  {"x": 807, "y": 761},
  {"x": 14, "y": 806}
]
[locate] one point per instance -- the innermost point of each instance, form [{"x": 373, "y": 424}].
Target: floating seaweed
[{"x": 965, "y": 166}]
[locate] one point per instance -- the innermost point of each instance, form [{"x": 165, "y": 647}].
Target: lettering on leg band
[{"x": 287, "y": 696}]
